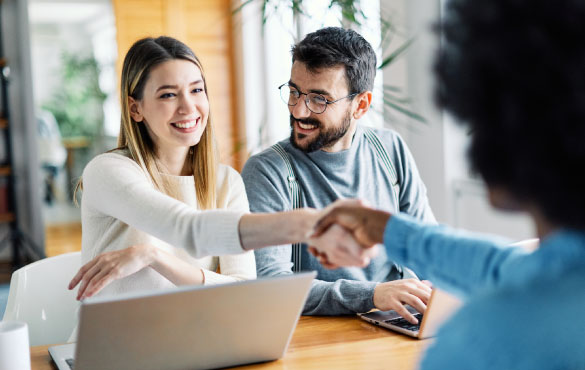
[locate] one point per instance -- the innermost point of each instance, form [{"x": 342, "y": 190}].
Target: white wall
[
  {"x": 48, "y": 42},
  {"x": 439, "y": 146},
  {"x": 85, "y": 28}
]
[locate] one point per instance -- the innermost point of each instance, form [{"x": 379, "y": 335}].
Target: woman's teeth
[{"x": 185, "y": 125}]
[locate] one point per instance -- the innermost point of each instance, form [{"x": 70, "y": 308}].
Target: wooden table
[{"x": 326, "y": 343}]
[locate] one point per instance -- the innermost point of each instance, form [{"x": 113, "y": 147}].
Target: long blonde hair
[{"x": 144, "y": 55}]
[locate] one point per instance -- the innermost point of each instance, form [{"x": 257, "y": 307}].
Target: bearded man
[{"x": 330, "y": 156}]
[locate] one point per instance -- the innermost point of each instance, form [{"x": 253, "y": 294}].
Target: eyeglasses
[{"x": 316, "y": 103}]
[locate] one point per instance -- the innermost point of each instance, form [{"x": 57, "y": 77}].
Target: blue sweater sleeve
[
  {"x": 459, "y": 261},
  {"x": 536, "y": 325}
]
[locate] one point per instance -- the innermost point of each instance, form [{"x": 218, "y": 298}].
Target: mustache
[{"x": 308, "y": 121}]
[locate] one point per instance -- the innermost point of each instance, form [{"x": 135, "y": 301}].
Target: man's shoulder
[
  {"x": 392, "y": 142},
  {"x": 387, "y": 136},
  {"x": 268, "y": 160}
]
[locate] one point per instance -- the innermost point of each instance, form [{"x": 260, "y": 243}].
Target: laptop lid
[
  {"x": 440, "y": 307},
  {"x": 192, "y": 327}
]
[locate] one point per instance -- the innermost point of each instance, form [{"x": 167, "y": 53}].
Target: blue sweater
[
  {"x": 524, "y": 310},
  {"x": 323, "y": 178}
]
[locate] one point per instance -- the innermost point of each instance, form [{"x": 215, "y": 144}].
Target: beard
[{"x": 325, "y": 138}]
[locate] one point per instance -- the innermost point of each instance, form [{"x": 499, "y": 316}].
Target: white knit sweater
[{"x": 120, "y": 207}]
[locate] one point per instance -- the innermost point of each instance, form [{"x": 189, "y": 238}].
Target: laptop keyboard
[
  {"x": 402, "y": 323},
  {"x": 69, "y": 362}
]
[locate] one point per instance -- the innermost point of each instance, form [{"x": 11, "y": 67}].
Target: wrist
[
  {"x": 306, "y": 218},
  {"x": 377, "y": 226},
  {"x": 152, "y": 256},
  {"x": 202, "y": 282},
  {"x": 375, "y": 295}
]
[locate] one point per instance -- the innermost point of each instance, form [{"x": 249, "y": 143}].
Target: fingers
[
  {"x": 348, "y": 252},
  {"x": 362, "y": 261},
  {"x": 324, "y": 223},
  {"x": 415, "y": 303},
  {"x": 415, "y": 293},
  {"x": 365, "y": 225},
  {"x": 86, "y": 279},
  {"x": 313, "y": 251},
  {"x": 346, "y": 203},
  {"x": 339, "y": 212},
  {"x": 411, "y": 300},
  {"x": 423, "y": 295},
  {"x": 418, "y": 289},
  {"x": 326, "y": 218},
  {"x": 402, "y": 311},
  {"x": 371, "y": 253},
  {"x": 109, "y": 266},
  {"x": 337, "y": 247},
  {"x": 393, "y": 295},
  {"x": 322, "y": 258},
  {"x": 339, "y": 258},
  {"x": 99, "y": 281},
  {"x": 77, "y": 278}
]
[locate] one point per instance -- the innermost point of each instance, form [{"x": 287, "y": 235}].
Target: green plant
[
  {"x": 352, "y": 13},
  {"x": 77, "y": 104}
]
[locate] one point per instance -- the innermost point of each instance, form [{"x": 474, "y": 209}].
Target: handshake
[{"x": 347, "y": 234}]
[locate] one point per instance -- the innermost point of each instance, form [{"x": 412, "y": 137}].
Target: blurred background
[{"x": 61, "y": 62}]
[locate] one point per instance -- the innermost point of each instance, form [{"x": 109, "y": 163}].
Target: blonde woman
[{"x": 157, "y": 208}]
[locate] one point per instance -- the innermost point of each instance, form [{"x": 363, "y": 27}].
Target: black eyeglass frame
[{"x": 327, "y": 102}]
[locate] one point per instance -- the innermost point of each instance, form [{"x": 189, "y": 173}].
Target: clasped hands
[{"x": 347, "y": 234}]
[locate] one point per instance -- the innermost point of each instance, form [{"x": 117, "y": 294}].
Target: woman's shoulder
[
  {"x": 231, "y": 192},
  {"x": 228, "y": 180},
  {"x": 227, "y": 173},
  {"x": 111, "y": 162}
]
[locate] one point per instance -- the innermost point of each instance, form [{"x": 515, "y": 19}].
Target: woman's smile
[{"x": 186, "y": 126}]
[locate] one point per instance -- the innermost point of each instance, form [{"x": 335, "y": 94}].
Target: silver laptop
[
  {"x": 441, "y": 306},
  {"x": 189, "y": 327}
]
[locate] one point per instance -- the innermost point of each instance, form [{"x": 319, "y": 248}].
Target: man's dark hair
[
  {"x": 334, "y": 46},
  {"x": 514, "y": 72}
]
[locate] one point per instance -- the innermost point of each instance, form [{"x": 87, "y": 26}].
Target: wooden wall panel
[{"x": 204, "y": 25}]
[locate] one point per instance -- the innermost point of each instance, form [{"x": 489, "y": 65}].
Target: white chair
[{"x": 39, "y": 296}]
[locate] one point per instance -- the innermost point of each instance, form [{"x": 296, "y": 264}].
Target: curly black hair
[
  {"x": 513, "y": 71},
  {"x": 333, "y": 46}
]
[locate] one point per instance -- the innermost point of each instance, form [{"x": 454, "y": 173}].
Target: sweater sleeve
[
  {"x": 234, "y": 267},
  {"x": 116, "y": 186},
  {"x": 459, "y": 261}
]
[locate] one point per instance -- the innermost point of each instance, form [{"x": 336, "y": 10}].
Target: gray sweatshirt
[{"x": 325, "y": 177}]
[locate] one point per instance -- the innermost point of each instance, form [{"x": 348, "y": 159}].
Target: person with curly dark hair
[{"x": 513, "y": 72}]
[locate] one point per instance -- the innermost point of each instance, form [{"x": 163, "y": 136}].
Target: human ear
[
  {"x": 363, "y": 100},
  {"x": 135, "y": 109}
]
